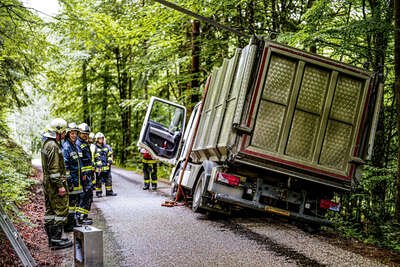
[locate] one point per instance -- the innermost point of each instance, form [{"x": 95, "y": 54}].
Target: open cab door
[{"x": 162, "y": 129}]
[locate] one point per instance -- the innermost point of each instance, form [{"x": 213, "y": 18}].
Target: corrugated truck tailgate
[{"x": 306, "y": 114}]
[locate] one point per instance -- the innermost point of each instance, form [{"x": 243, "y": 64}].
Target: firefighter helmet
[
  {"x": 99, "y": 135},
  {"x": 72, "y": 127},
  {"x": 56, "y": 126},
  {"x": 84, "y": 128}
]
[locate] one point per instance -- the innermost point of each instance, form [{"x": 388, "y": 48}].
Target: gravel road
[{"x": 140, "y": 232}]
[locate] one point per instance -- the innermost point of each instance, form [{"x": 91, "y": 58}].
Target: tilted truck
[{"x": 278, "y": 130}]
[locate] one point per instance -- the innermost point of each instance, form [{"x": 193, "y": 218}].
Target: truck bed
[{"x": 288, "y": 111}]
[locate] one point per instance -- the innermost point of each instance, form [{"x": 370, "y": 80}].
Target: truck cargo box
[{"x": 286, "y": 110}]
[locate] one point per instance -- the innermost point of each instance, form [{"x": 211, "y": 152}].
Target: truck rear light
[
  {"x": 228, "y": 179},
  {"x": 329, "y": 205}
]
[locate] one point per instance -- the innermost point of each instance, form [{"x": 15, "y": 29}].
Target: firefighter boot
[
  {"x": 154, "y": 186},
  {"x": 56, "y": 240},
  {"x": 48, "y": 232},
  {"x": 110, "y": 193},
  {"x": 69, "y": 227},
  {"x": 99, "y": 194},
  {"x": 86, "y": 221},
  {"x": 48, "y": 229},
  {"x": 146, "y": 187}
]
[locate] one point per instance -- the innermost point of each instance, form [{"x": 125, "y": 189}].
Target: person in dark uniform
[
  {"x": 73, "y": 166},
  {"x": 87, "y": 174},
  {"x": 149, "y": 170},
  {"x": 103, "y": 162},
  {"x": 55, "y": 185}
]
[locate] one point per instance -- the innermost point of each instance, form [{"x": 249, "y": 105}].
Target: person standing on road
[
  {"x": 87, "y": 171},
  {"x": 92, "y": 151},
  {"x": 149, "y": 170},
  {"x": 103, "y": 162},
  {"x": 73, "y": 165},
  {"x": 55, "y": 185}
]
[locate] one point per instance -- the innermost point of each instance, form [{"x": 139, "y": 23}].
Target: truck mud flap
[{"x": 273, "y": 210}]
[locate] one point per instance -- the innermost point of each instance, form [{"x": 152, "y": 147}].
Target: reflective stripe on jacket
[
  {"x": 103, "y": 157},
  {"x": 73, "y": 166},
  {"x": 85, "y": 154}
]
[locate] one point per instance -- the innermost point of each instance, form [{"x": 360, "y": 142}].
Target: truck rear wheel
[{"x": 198, "y": 194}]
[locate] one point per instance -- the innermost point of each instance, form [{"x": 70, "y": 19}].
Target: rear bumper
[{"x": 265, "y": 208}]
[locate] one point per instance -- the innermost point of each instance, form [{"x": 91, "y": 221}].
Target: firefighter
[
  {"x": 73, "y": 165},
  {"x": 92, "y": 151},
  {"x": 103, "y": 161},
  {"x": 149, "y": 170},
  {"x": 54, "y": 184},
  {"x": 87, "y": 171}
]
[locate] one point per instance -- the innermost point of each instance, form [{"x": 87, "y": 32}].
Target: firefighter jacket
[
  {"x": 103, "y": 157},
  {"x": 73, "y": 166},
  {"x": 53, "y": 163},
  {"x": 147, "y": 158},
  {"x": 85, "y": 155}
]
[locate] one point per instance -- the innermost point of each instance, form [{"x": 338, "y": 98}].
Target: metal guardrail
[{"x": 16, "y": 240}]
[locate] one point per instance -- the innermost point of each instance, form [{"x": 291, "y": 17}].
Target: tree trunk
[
  {"x": 313, "y": 46},
  {"x": 195, "y": 83},
  {"x": 104, "y": 103},
  {"x": 250, "y": 17},
  {"x": 275, "y": 17},
  {"x": 397, "y": 92},
  {"x": 123, "y": 83},
  {"x": 85, "y": 98},
  {"x": 380, "y": 47}
]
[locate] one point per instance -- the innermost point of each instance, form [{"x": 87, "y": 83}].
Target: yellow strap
[
  {"x": 87, "y": 168},
  {"x": 151, "y": 161},
  {"x": 105, "y": 168}
]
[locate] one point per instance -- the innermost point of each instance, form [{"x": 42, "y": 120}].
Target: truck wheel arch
[{"x": 207, "y": 167}]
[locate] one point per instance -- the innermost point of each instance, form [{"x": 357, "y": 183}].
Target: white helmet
[
  {"x": 84, "y": 128},
  {"x": 72, "y": 127},
  {"x": 99, "y": 135},
  {"x": 56, "y": 126}
]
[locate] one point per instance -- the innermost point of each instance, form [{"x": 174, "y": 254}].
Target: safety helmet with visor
[
  {"x": 84, "y": 128},
  {"x": 56, "y": 126}
]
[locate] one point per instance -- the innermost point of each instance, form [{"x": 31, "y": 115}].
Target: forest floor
[{"x": 31, "y": 230}]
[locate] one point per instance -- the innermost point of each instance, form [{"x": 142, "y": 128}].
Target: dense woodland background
[{"x": 100, "y": 61}]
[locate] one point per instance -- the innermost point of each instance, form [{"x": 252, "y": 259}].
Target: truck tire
[
  {"x": 198, "y": 194},
  {"x": 174, "y": 185}
]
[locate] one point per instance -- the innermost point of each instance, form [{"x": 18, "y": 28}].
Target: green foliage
[
  {"x": 15, "y": 167},
  {"x": 368, "y": 212},
  {"x": 23, "y": 52}
]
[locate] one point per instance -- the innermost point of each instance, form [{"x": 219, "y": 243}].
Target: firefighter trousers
[
  {"x": 103, "y": 177},
  {"x": 86, "y": 197},
  {"x": 56, "y": 206},
  {"x": 150, "y": 171}
]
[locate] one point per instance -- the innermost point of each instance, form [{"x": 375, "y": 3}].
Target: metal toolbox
[{"x": 88, "y": 246}]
